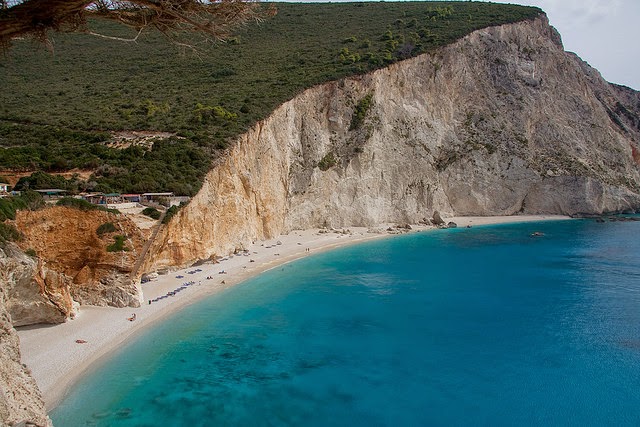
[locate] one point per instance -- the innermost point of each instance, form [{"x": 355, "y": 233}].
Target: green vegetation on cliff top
[
  {"x": 57, "y": 109},
  {"x": 8, "y": 207}
]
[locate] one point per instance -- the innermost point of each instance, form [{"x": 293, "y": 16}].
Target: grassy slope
[{"x": 55, "y": 108}]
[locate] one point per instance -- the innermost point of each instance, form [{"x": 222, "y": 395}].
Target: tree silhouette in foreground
[{"x": 212, "y": 19}]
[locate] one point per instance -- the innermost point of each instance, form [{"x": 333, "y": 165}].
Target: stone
[
  {"x": 34, "y": 293},
  {"x": 437, "y": 219}
]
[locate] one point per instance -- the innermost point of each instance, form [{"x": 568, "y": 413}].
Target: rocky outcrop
[
  {"x": 502, "y": 122},
  {"x": 74, "y": 264},
  {"x": 437, "y": 219},
  {"x": 34, "y": 294},
  {"x": 20, "y": 398}
]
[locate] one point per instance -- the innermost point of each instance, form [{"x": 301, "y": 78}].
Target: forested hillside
[{"x": 59, "y": 109}]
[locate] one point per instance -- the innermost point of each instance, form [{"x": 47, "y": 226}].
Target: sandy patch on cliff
[{"x": 57, "y": 360}]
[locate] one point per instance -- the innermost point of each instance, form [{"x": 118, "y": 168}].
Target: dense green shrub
[
  {"x": 151, "y": 213},
  {"x": 118, "y": 244},
  {"x": 327, "y": 162},
  {"x": 205, "y": 113},
  {"x": 8, "y": 233},
  {"x": 27, "y": 200},
  {"x": 31, "y": 252},
  {"x": 170, "y": 213},
  {"x": 9, "y": 206},
  {"x": 40, "y": 180},
  {"x": 31, "y": 200},
  {"x": 360, "y": 112},
  {"x": 105, "y": 228},
  {"x": 173, "y": 165},
  {"x": 7, "y": 209}
]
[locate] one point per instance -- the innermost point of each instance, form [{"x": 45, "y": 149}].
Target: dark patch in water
[
  {"x": 630, "y": 344},
  {"x": 101, "y": 415},
  {"x": 124, "y": 413}
]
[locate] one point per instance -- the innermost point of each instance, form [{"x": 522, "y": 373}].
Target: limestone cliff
[
  {"x": 34, "y": 294},
  {"x": 20, "y": 399},
  {"x": 73, "y": 264},
  {"x": 502, "y": 122}
]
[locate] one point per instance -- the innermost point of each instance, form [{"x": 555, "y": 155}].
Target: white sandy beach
[{"x": 56, "y": 360}]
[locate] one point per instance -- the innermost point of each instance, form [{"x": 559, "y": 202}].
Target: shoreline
[{"x": 57, "y": 361}]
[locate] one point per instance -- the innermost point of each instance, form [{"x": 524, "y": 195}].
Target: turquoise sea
[{"x": 480, "y": 326}]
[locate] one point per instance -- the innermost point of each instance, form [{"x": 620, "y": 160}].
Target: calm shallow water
[{"x": 455, "y": 327}]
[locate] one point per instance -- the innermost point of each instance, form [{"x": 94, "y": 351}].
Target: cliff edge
[
  {"x": 20, "y": 398},
  {"x": 502, "y": 122}
]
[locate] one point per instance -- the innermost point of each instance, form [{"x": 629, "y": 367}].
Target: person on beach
[{"x": 132, "y": 318}]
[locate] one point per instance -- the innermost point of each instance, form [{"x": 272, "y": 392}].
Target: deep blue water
[{"x": 481, "y": 326}]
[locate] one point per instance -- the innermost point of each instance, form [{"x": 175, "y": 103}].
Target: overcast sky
[{"x": 605, "y": 33}]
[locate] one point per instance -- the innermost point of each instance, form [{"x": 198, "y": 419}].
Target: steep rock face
[
  {"x": 34, "y": 294},
  {"x": 74, "y": 264},
  {"x": 20, "y": 398},
  {"x": 501, "y": 122}
]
